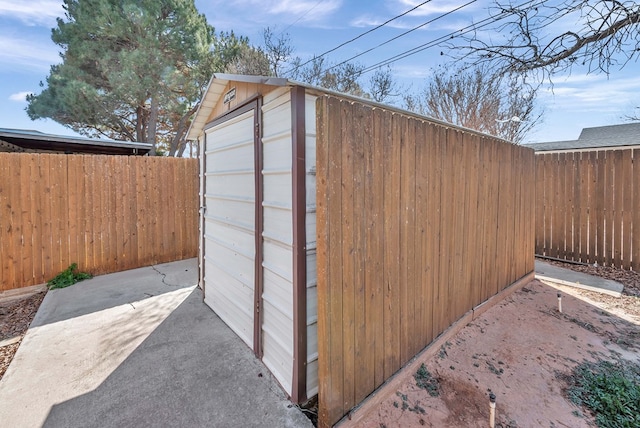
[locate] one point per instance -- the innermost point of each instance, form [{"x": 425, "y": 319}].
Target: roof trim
[
  {"x": 585, "y": 149},
  {"x": 41, "y": 136},
  {"x": 215, "y": 90},
  {"x": 219, "y": 81}
]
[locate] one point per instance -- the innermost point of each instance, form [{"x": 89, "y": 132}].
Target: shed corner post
[{"x": 299, "y": 205}]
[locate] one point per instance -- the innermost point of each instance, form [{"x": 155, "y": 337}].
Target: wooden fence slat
[
  {"x": 422, "y": 297},
  {"x": 635, "y": 227},
  {"x": 392, "y": 247},
  {"x": 375, "y": 265},
  {"x": 627, "y": 194},
  {"x": 25, "y": 261},
  {"x": 348, "y": 256},
  {"x": 433, "y": 227},
  {"x": 329, "y": 161},
  {"x": 618, "y": 204},
  {"x": 9, "y": 222},
  {"x": 326, "y": 399},
  {"x": 363, "y": 381}
]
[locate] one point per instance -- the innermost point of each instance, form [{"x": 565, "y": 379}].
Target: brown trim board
[
  {"x": 298, "y": 131},
  {"x": 203, "y": 201},
  {"x": 258, "y": 284}
]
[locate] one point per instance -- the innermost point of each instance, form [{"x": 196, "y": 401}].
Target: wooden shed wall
[{"x": 417, "y": 224}]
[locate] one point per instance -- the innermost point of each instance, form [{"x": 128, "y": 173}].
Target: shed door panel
[{"x": 229, "y": 230}]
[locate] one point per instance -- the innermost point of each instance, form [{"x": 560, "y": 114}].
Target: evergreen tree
[{"x": 132, "y": 69}]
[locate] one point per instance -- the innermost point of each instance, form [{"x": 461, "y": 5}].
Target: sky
[{"x": 576, "y": 101}]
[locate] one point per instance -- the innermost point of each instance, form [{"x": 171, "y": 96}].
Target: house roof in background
[
  {"x": 24, "y": 140},
  {"x": 618, "y": 136}
]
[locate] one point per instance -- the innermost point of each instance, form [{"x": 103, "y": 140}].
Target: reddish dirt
[{"x": 522, "y": 350}]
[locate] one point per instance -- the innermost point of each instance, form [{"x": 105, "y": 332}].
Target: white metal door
[{"x": 229, "y": 222}]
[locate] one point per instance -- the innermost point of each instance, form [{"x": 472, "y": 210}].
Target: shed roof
[
  {"x": 219, "y": 81},
  {"x": 30, "y": 140},
  {"x": 617, "y": 136},
  {"x": 215, "y": 90}
]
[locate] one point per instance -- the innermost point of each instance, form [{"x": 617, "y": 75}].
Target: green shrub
[
  {"x": 610, "y": 390},
  {"x": 68, "y": 277}
]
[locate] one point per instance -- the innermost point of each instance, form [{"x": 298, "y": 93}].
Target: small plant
[
  {"x": 425, "y": 381},
  {"x": 610, "y": 390},
  {"x": 68, "y": 277}
]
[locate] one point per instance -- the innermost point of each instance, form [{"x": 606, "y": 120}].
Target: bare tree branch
[{"x": 551, "y": 37}]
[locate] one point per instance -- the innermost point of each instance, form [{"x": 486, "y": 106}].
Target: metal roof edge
[
  {"x": 208, "y": 102},
  {"x": 197, "y": 125},
  {"x": 37, "y": 135}
]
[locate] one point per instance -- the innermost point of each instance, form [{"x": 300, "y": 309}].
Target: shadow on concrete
[
  {"x": 115, "y": 289},
  {"x": 191, "y": 371}
]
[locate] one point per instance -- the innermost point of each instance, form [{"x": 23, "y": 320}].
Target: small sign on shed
[{"x": 230, "y": 96}]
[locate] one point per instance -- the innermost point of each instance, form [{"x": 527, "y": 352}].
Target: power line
[
  {"x": 401, "y": 35},
  {"x": 359, "y": 36},
  {"x": 301, "y": 16},
  {"x": 472, "y": 27}
]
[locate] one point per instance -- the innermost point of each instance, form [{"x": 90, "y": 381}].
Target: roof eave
[{"x": 215, "y": 90}]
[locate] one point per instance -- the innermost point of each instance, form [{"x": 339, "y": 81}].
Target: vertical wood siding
[
  {"x": 587, "y": 207},
  {"x": 417, "y": 223},
  {"x": 105, "y": 213}
]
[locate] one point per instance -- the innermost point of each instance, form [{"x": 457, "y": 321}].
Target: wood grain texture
[
  {"x": 100, "y": 212},
  {"x": 417, "y": 224},
  {"x": 597, "y": 210}
]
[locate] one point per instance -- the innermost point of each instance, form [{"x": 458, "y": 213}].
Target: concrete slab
[
  {"x": 138, "y": 348},
  {"x": 549, "y": 273}
]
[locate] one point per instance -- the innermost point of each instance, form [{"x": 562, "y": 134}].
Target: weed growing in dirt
[
  {"x": 426, "y": 381},
  {"x": 68, "y": 277},
  {"x": 610, "y": 390}
]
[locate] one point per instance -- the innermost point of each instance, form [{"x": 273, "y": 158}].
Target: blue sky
[{"x": 578, "y": 100}]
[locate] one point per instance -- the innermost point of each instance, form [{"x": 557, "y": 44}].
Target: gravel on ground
[{"x": 15, "y": 317}]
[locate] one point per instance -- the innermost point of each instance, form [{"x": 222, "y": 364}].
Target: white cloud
[
  {"x": 308, "y": 11},
  {"x": 33, "y": 12},
  {"x": 304, "y": 10},
  {"x": 19, "y": 96},
  {"x": 588, "y": 92},
  {"x": 16, "y": 53},
  {"x": 435, "y": 7}
]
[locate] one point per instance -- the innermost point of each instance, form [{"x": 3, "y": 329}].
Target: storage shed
[
  {"x": 418, "y": 223},
  {"x": 258, "y": 250}
]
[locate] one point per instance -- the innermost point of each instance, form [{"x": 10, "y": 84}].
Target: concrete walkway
[
  {"x": 138, "y": 348},
  {"x": 546, "y": 272}
]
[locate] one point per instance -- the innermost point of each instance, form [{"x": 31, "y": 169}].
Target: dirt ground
[
  {"x": 15, "y": 317},
  {"x": 523, "y": 350}
]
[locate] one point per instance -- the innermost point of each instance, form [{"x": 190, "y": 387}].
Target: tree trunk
[{"x": 153, "y": 124}]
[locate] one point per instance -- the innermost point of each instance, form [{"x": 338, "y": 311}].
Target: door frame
[{"x": 253, "y": 103}]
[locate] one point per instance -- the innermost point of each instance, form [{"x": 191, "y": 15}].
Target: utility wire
[
  {"x": 358, "y": 36},
  {"x": 301, "y": 16},
  {"x": 401, "y": 35},
  {"x": 472, "y": 27}
]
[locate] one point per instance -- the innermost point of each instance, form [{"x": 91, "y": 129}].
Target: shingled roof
[{"x": 627, "y": 134}]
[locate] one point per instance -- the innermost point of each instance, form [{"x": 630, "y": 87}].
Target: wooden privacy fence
[
  {"x": 588, "y": 207},
  {"x": 105, "y": 213},
  {"x": 418, "y": 223}
]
